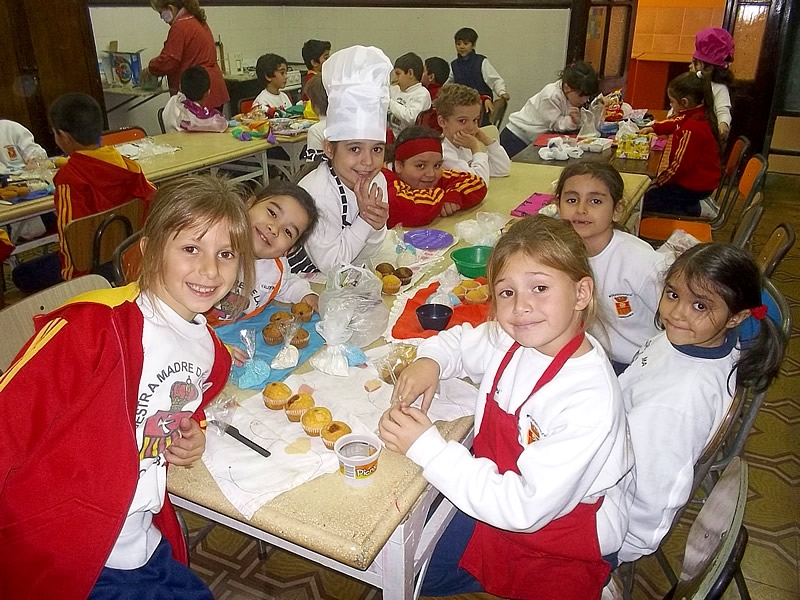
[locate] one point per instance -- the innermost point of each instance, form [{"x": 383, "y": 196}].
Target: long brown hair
[
  {"x": 195, "y": 201},
  {"x": 552, "y": 242},
  {"x": 190, "y": 6},
  {"x": 696, "y": 88}
]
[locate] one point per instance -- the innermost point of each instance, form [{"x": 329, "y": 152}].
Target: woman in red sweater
[
  {"x": 189, "y": 43},
  {"x": 693, "y": 172}
]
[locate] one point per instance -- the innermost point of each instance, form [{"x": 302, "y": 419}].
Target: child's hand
[
  {"x": 449, "y": 208},
  {"x": 312, "y": 300},
  {"x": 371, "y": 207},
  {"x": 724, "y": 130},
  {"x": 483, "y": 138},
  {"x": 575, "y": 114},
  {"x": 465, "y": 140},
  {"x": 189, "y": 447},
  {"x": 646, "y": 131},
  {"x": 401, "y": 426},
  {"x": 238, "y": 355},
  {"x": 488, "y": 105},
  {"x": 420, "y": 378}
]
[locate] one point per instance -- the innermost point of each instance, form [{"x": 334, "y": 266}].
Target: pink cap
[{"x": 714, "y": 46}]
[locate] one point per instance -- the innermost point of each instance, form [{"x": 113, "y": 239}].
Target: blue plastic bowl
[
  {"x": 434, "y": 316},
  {"x": 471, "y": 261}
]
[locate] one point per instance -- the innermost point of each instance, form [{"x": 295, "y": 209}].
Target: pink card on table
[{"x": 532, "y": 204}]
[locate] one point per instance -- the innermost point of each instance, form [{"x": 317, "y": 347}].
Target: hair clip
[
  {"x": 699, "y": 74},
  {"x": 759, "y": 312}
]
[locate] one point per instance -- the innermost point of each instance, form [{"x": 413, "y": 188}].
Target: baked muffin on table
[
  {"x": 281, "y": 315},
  {"x": 297, "y": 405},
  {"x": 272, "y": 334},
  {"x": 302, "y": 312},
  {"x": 391, "y": 284},
  {"x": 404, "y": 274},
  {"x": 275, "y": 395},
  {"x": 300, "y": 339},
  {"x": 384, "y": 269},
  {"x": 315, "y": 419},
  {"x": 333, "y": 431}
]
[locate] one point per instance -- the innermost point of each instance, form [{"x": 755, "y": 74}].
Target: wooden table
[
  {"x": 132, "y": 94},
  {"x": 623, "y": 165},
  {"x": 379, "y": 534}
]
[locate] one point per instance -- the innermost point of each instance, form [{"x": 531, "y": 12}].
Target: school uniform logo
[
  {"x": 11, "y": 153},
  {"x": 162, "y": 428},
  {"x": 529, "y": 431},
  {"x": 622, "y": 305}
]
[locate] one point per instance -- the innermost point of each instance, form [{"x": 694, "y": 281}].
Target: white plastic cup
[{"x": 358, "y": 457}]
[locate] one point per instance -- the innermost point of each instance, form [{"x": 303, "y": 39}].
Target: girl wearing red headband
[
  {"x": 681, "y": 383},
  {"x": 419, "y": 189}
]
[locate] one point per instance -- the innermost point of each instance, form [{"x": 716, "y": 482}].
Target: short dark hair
[
  {"x": 286, "y": 188},
  {"x": 195, "y": 83},
  {"x": 466, "y": 34},
  {"x": 603, "y": 172},
  {"x": 410, "y": 62},
  {"x": 582, "y": 78},
  {"x": 79, "y": 115},
  {"x": 315, "y": 90},
  {"x": 313, "y": 49},
  {"x": 439, "y": 68},
  {"x": 267, "y": 65}
]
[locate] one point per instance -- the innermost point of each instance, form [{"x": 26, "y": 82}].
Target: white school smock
[
  {"x": 675, "y": 402},
  {"x": 628, "y": 276},
  {"x": 406, "y": 106},
  {"x": 546, "y": 111},
  {"x": 17, "y": 146},
  {"x": 492, "y": 163},
  {"x": 583, "y": 452},
  {"x": 331, "y": 246},
  {"x": 316, "y": 134},
  {"x": 722, "y": 102}
]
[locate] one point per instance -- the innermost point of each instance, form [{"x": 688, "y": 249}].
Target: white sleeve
[
  {"x": 556, "y": 472},
  {"x": 23, "y": 139},
  {"x": 722, "y": 103},
  {"x": 478, "y": 164},
  {"x": 315, "y": 138},
  {"x": 410, "y": 108},
  {"x": 293, "y": 288},
  {"x": 499, "y": 162},
  {"x": 492, "y": 78},
  {"x": 454, "y": 351},
  {"x": 553, "y": 113}
]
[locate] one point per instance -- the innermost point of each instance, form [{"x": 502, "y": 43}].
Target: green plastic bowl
[{"x": 471, "y": 262}]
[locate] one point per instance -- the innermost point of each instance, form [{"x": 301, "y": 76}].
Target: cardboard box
[
  {"x": 126, "y": 66},
  {"x": 633, "y": 146}
]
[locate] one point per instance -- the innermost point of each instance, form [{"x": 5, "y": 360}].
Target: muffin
[
  {"x": 384, "y": 269},
  {"x": 460, "y": 291},
  {"x": 391, "y": 284},
  {"x": 315, "y": 419},
  {"x": 470, "y": 284},
  {"x": 276, "y": 394},
  {"x": 302, "y": 312},
  {"x": 279, "y": 316},
  {"x": 300, "y": 339},
  {"x": 476, "y": 296},
  {"x": 272, "y": 334},
  {"x": 297, "y": 405},
  {"x": 404, "y": 274},
  {"x": 333, "y": 431}
]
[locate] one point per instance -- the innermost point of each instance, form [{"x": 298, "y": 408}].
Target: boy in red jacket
[
  {"x": 419, "y": 189},
  {"x": 694, "y": 167},
  {"x": 93, "y": 180}
]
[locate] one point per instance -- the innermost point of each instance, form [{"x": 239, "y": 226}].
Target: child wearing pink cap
[{"x": 713, "y": 55}]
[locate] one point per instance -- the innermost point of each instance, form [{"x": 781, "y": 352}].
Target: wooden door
[
  {"x": 46, "y": 57},
  {"x": 759, "y": 30}
]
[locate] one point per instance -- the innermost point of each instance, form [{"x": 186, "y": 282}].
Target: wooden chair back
[
  {"x": 16, "y": 321},
  {"x": 748, "y": 222},
  {"x": 120, "y": 136},
  {"x": 717, "y": 540},
  {"x": 498, "y": 112},
  {"x": 127, "y": 260},
  {"x": 160, "y": 115},
  {"x": 778, "y": 245},
  {"x": 91, "y": 240}
]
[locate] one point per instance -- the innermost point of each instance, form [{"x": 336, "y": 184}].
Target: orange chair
[
  {"x": 245, "y": 105},
  {"x": 120, "y": 136},
  {"x": 658, "y": 229},
  {"x": 127, "y": 260}
]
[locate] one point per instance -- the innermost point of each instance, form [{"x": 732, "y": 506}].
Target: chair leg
[
  {"x": 263, "y": 548},
  {"x": 627, "y": 573},
  {"x": 666, "y": 567}
]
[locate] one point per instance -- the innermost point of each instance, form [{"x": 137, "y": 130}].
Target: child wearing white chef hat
[{"x": 348, "y": 186}]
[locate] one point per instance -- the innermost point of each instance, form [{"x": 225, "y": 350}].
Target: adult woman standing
[{"x": 189, "y": 43}]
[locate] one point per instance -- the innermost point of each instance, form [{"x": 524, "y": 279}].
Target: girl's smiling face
[
  {"x": 695, "y": 316},
  {"x": 539, "y": 306},
  {"x": 277, "y": 224},
  {"x": 354, "y": 160},
  {"x": 586, "y": 202}
]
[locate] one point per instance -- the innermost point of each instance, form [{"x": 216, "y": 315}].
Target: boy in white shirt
[
  {"x": 466, "y": 147},
  {"x": 319, "y": 102},
  {"x": 271, "y": 69},
  {"x": 17, "y": 147},
  {"x": 408, "y": 97}
]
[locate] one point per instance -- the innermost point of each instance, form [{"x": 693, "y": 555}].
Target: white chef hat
[{"x": 357, "y": 82}]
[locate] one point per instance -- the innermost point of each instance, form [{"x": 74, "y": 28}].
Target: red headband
[
  {"x": 416, "y": 146},
  {"x": 759, "y": 312}
]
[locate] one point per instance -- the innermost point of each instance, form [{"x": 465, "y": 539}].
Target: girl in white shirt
[
  {"x": 542, "y": 499},
  {"x": 681, "y": 383},
  {"x": 628, "y": 272},
  {"x": 556, "y": 108}
]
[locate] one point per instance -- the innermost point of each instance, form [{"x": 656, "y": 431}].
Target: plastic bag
[
  {"x": 335, "y": 330},
  {"x": 678, "y": 242},
  {"x": 483, "y": 230},
  {"x": 588, "y": 124},
  {"x": 392, "y": 364},
  {"x": 254, "y": 373},
  {"x": 220, "y": 412},
  {"x": 356, "y": 293},
  {"x": 559, "y": 148},
  {"x": 288, "y": 356},
  {"x": 627, "y": 127}
]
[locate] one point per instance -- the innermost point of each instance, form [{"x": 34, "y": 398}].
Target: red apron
[{"x": 562, "y": 560}]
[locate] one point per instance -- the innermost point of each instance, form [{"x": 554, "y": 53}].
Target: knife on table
[{"x": 236, "y": 434}]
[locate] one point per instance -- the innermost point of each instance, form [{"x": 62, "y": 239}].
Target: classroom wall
[{"x": 527, "y": 46}]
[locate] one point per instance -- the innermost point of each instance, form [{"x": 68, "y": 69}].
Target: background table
[{"x": 132, "y": 94}]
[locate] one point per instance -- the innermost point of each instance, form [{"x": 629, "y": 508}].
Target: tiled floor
[{"x": 228, "y": 561}]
